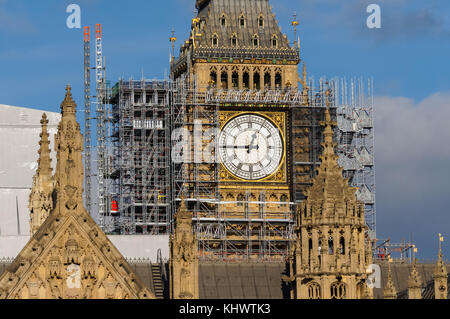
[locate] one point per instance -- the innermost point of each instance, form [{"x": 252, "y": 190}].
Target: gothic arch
[
  {"x": 314, "y": 290},
  {"x": 338, "y": 290}
]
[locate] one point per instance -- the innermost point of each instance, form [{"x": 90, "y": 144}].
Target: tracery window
[
  {"x": 314, "y": 291},
  {"x": 338, "y": 290}
]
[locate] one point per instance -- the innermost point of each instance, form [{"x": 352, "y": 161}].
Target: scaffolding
[
  {"x": 87, "y": 120},
  {"x": 140, "y": 167},
  {"x": 356, "y": 148},
  {"x": 385, "y": 250}
]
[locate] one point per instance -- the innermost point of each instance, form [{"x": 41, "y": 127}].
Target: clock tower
[{"x": 236, "y": 58}]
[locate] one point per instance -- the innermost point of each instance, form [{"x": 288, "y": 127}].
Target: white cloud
[{"x": 413, "y": 169}]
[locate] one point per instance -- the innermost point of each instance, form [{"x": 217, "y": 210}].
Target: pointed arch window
[
  {"x": 223, "y": 20},
  {"x": 283, "y": 200},
  {"x": 240, "y": 200},
  {"x": 274, "y": 42},
  {"x": 261, "y": 21},
  {"x": 338, "y": 290},
  {"x": 242, "y": 20},
  {"x": 255, "y": 41},
  {"x": 314, "y": 291},
  {"x": 215, "y": 40},
  {"x": 234, "y": 40}
]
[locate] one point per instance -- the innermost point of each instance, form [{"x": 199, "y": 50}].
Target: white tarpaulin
[
  {"x": 19, "y": 144},
  {"x": 130, "y": 246}
]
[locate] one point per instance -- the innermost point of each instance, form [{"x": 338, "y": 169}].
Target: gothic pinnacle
[{"x": 44, "y": 161}]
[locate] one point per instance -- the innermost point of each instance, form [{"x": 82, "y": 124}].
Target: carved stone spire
[
  {"x": 414, "y": 283},
  {"x": 332, "y": 252},
  {"x": 440, "y": 278},
  {"x": 183, "y": 257},
  {"x": 40, "y": 201},
  {"x": 389, "y": 290},
  {"x": 69, "y": 148}
]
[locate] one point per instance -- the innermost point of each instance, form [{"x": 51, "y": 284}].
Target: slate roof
[
  {"x": 212, "y": 11},
  {"x": 242, "y": 281}
]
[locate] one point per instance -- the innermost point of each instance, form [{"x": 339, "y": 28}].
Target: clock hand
[{"x": 252, "y": 146}]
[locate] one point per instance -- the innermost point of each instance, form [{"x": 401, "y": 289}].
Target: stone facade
[{"x": 183, "y": 257}]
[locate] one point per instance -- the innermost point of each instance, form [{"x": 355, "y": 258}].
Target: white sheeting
[
  {"x": 19, "y": 143},
  {"x": 130, "y": 246}
]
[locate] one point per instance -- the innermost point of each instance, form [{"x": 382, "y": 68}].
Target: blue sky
[{"x": 408, "y": 59}]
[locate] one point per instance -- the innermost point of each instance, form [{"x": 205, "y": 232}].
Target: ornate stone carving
[
  {"x": 40, "y": 200},
  {"x": 183, "y": 258},
  {"x": 331, "y": 236}
]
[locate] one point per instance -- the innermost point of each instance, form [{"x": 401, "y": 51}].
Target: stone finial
[
  {"x": 44, "y": 161},
  {"x": 68, "y": 105},
  {"x": 414, "y": 283},
  {"x": 389, "y": 290},
  {"x": 440, "y": 278}
]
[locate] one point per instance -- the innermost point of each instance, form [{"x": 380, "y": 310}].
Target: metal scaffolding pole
[{"x": 87, "y": 120}]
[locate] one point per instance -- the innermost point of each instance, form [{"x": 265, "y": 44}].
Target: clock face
[{"x": 250, "y": 147}]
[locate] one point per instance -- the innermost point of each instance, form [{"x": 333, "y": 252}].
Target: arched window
[
  {"x": 284, "y": 200},
  {"x": 274, "y": 41},
  {"x": 342, "y": 246},
  {"x": 267, "y": 80},
  {"x": 242, "y": 20},
  {"x": 255, "y": 41},
  {"x": 314, "y": 291},
  {"x": 215, "y": 40},
  {"x": 330, "y": 245},
  {"x": 234, "y": 79},
  {"x": 338, "y": 290},
  {"x": 234, "y": 40},
  {"x": 278, "y": 80},
  {"x": 224, "y": 80},
  {"x": 246, "y": 80},
  {"x": 261, "y": 21},
  {"x": 213, "y": 78},
  {"x": 240, "y": 200},
  {"x": 223, "y": 20},
  {"x": 256, "y": 81}
]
